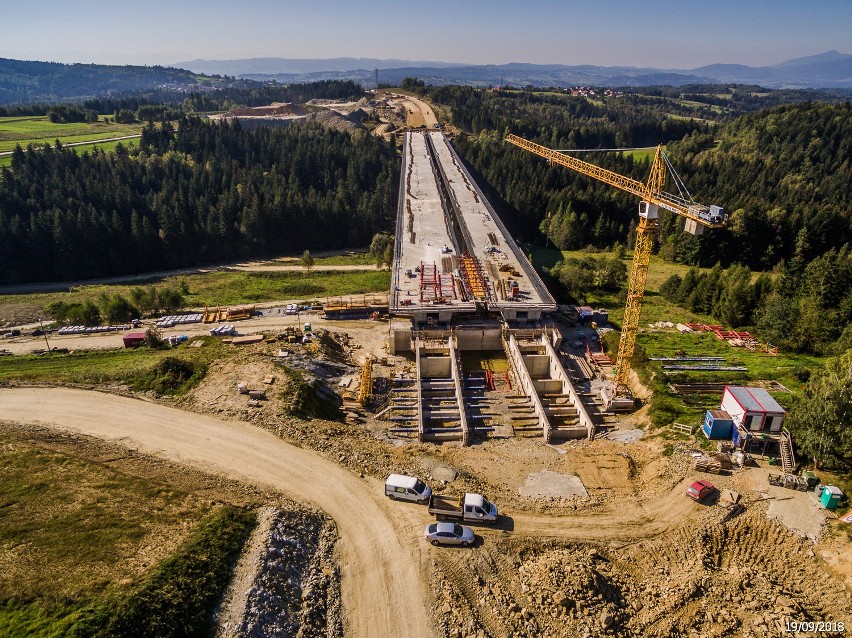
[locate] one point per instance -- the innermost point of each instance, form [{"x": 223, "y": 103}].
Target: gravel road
[{"x": 383, "y": 592}]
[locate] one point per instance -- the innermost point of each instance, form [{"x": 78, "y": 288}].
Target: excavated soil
[{"x": 742, "y": 578}]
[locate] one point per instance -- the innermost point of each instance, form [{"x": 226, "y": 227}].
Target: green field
[
  {"x": 233, "y": 287},
  {"x": 349, "y": 259},
  {"x": 39, "y": 130},
  {"x": 132, "y": 366},
  {"x": 88, "y": 546},
  {"x": 642, "y": 154}
]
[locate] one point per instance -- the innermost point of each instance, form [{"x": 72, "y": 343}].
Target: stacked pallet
[{"x": 714, "y": 464}]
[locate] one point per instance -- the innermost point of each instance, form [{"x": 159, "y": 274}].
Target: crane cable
[
  {"x": 679, "y": 183},
  {"x": 683, "y": 191},
  {"x": 595, "y": 150}
]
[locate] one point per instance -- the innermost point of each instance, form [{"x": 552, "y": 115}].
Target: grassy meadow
[
  {"x": 139, "y": 367},
  {"x": 40, "y": 130},
  {"x": 230, "y": 287},
  {"x": 88, "y": 546}
]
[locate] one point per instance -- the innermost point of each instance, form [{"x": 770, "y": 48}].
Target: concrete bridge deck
[{"x": 453, "y": 254}]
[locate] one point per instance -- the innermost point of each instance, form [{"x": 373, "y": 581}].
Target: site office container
[
  {"x": 753, "y": 409},
  {"x": 134, "y": 339},
  {"x": 718, "y": 425}
]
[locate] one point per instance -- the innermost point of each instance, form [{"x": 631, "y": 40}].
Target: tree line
[
  {"x": 23, "y": 81},
  {"x": 805, "y": 307},
  {"x": 164, "y": 104},
  {"x": 192, "y": 194}
]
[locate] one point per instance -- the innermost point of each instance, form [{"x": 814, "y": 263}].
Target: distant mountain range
[
  {"x": 295, "y": 66},
  {"x": 826, "y": 70},
  {"x": 27, "y": 82}
]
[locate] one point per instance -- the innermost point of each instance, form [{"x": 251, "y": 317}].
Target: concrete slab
[
  {"x": 625, "y": 436},
  {"x": 427, "y": 282},
  {"x": 796, "y": 512},
  {"x": 492, "y": 245},
  {"x": 552, "y": 484}
]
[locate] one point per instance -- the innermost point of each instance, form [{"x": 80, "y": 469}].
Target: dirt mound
[
  {"x": 274, "y": 110},
  {"x": 743, "y": 578},
  {"x": 334, "y": 120}
]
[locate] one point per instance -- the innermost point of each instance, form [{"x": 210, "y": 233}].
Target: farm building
[
  {"x": 753, "y": 409},
  {"x": 134, "y": 339}
]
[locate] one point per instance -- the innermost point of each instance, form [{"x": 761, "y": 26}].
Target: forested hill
[
  {"x": 782, "y": 173},
  {"x": 784, "y": 176},
  {"x": 24, "y": 82},
  {"x": 196, "y": 195}
]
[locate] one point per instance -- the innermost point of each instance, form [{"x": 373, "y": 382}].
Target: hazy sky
[{"x": 658, "y": 33}]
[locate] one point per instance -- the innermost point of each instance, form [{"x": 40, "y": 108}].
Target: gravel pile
[{"x": 287, "y": 584}]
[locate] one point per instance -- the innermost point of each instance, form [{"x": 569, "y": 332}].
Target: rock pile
[{"x": 293, "y": 584}]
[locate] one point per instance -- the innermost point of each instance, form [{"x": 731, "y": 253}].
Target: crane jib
[{"x": 710, "y": 216}]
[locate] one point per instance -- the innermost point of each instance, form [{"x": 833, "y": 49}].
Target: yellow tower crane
[{"x": 698, "y": 216}]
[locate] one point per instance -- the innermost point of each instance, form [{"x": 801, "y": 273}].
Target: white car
[
  {"x": 291, "y": 309},
  {"x": 449, "y": 534}
]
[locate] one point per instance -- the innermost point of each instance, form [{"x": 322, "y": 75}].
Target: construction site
[{"x": 469, "y": 376}]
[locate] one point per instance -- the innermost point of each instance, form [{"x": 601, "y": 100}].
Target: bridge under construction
[{"x": 461, "y": 283}]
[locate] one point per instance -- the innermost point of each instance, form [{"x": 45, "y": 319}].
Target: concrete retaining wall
[
  {"x": 455, "y": 370},
  {"x": 527, "y": 384},
  {"x": 558, "y": 372}
]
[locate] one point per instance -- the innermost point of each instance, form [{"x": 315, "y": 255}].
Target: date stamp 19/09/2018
[{"x": 814, "y": 626}]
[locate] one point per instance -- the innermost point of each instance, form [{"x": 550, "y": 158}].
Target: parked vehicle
[
  {"x": 291, "y": 309},
  {"x": 472, "y": 508},
  {"x": 449, "y": 534},
  {"x": 407, "y": 488},
  {"x": 698, "y": 490}
]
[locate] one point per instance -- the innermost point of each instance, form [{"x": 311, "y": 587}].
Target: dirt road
[
  {"x": 367, "y": 333},
  {"x": 60, "y": 286},
  {"x": 383, "y": 592},
  {"x": 413, "y": 104},
  {"x": 636, "y": 521}
]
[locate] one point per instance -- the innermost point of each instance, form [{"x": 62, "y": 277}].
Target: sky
[{"x": 654, "y": 33}]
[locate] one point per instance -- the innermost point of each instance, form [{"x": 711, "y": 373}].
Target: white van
[{"x": 407, "y": 488}]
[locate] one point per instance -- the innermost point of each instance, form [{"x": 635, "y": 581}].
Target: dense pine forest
[{"x": 193, "y": 193}]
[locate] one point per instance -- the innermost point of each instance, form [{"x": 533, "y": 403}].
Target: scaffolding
[
  {"x": 366, "y": 382},
  {"x": 435, "y": 287}
]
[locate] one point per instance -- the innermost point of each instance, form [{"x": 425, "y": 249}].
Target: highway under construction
[{"x": 461, "y": 283}]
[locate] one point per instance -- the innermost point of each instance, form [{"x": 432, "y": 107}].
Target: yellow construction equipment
[
  {"x": 698, "y": 216},
  {"x": 366, "y": 382}
]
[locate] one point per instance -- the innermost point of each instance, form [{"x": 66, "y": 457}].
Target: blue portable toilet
[{"x": 717, "y": 425}]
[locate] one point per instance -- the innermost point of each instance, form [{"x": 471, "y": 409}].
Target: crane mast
[{"x": 652, "y": 196}]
